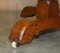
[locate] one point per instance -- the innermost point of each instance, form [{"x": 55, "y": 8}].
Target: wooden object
[
  {"x": 28, "y": 11},
  {"x": 26, "y": 29},
  {"x": 47, "y": 8}
]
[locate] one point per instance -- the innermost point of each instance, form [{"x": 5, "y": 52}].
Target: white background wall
[{"x": 17, "y": 4}]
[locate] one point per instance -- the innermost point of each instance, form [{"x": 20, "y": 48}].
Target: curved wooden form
[
  {"x": 28, "y": 11},
  {"x": 47, "y": 17},
  {"x": 18, "y": 27},
  {"x": 25, "y": 30}
]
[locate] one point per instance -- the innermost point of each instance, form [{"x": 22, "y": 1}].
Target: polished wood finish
[
  {"x": 54, "y": 9},
  {"x": 47, "y": 16},
  {"x": 47, "y": 10},
  {"x": 28, "y": 11}
]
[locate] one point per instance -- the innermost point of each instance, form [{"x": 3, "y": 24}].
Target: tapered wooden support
[
  {"x": 24, "y": 31},
  {"x": 47, "y": 16}
]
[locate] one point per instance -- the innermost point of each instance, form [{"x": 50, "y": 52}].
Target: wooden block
[{"x": 28, "y": 11}]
